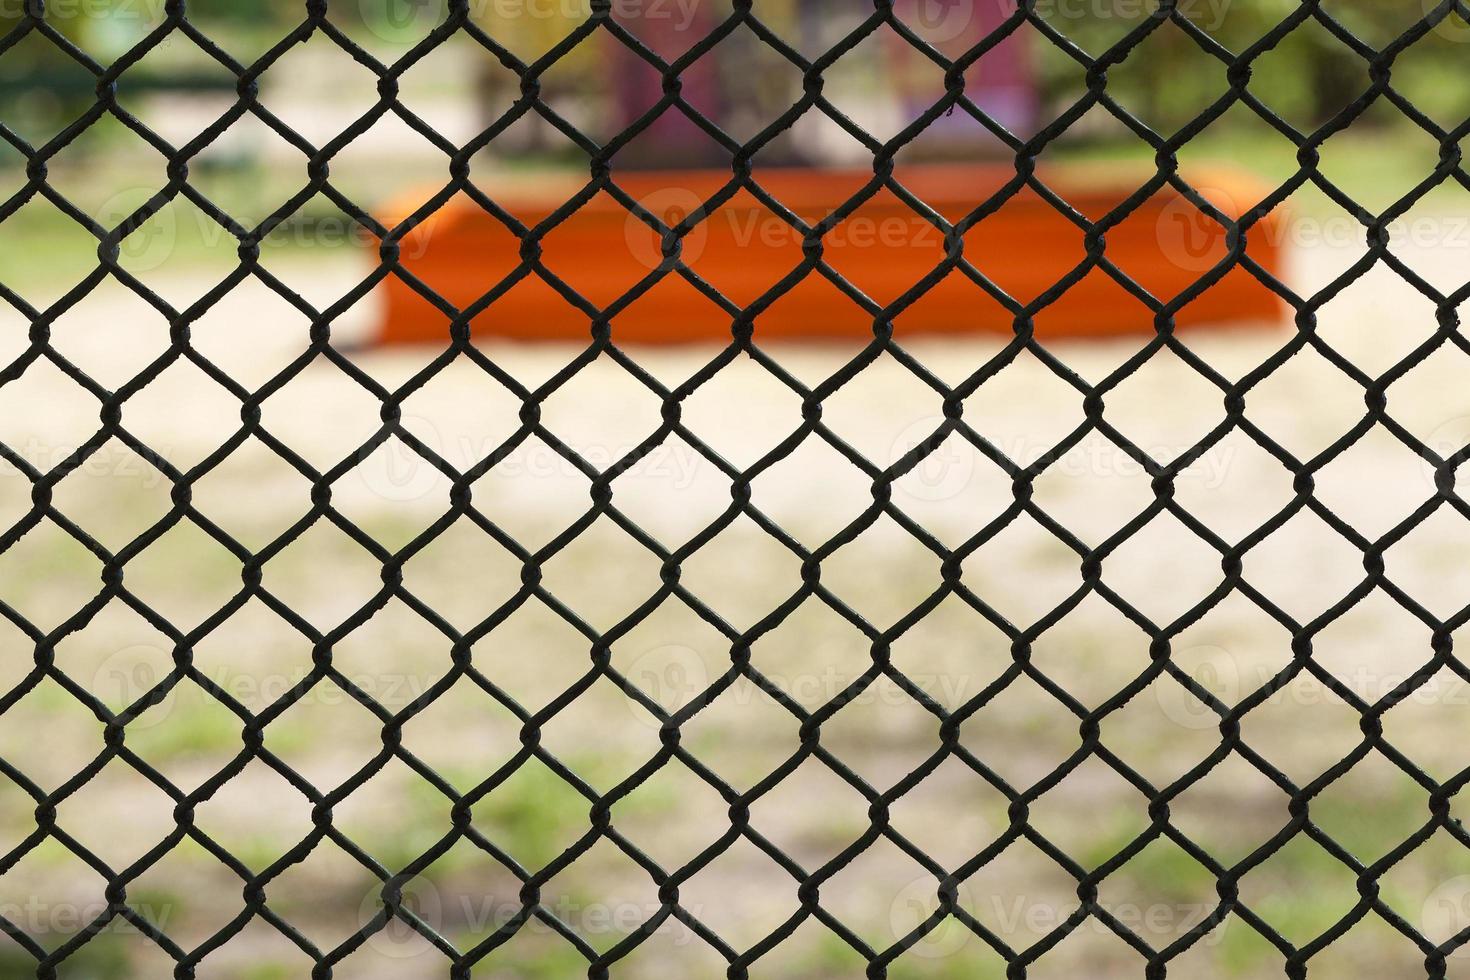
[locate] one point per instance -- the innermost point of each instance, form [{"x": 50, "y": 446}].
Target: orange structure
[{"x": 883, "y": 249}]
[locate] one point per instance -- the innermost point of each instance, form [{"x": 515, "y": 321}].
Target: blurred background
[
  {"x": 882, "y": 84},
  {"x": 224, "y": 651}
]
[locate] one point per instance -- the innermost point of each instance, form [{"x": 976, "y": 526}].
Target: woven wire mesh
[{"x": 812, "y": 884}]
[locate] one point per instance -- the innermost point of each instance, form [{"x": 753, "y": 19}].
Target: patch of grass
[
  {"x": 1164, "y": 872},
  {"x": 1360, "y": 162},
  {"x": 1308, "y": 892},
  {"x": 193, "y": 728},
  {"x": 59, "y": 251},
  {"x": 534, "y": 815},
  {"x": 552, "y": 960},
  {"x": 98, "y": 960},
  {"x": 267, "y": 971},
  {"x": 1240, "y": 951}
]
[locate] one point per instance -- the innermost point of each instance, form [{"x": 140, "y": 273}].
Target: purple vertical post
[
  {"x": 673, "y": 140},
  {"x": 1002, "y": 82}
]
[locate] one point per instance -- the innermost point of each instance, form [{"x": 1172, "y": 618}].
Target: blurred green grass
[{"x": 534, "y": 815}]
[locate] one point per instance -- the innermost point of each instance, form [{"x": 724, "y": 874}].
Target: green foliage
[{"x": 1168, "y": 78}]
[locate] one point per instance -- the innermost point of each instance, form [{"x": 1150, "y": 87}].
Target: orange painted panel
[{"x": 884, "y": 248}]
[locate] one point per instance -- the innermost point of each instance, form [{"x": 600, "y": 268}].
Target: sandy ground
[{"x": 605, "y": 575}]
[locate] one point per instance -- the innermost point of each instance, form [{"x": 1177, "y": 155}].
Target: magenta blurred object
[
  {"x": 1002, "y": 82},
  {"x": 673, "y": 139}
]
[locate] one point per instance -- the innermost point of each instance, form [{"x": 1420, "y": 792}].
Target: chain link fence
[{"x": 949, "y": 858}]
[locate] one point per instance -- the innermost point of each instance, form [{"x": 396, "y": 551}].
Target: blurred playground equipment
[
  {"x": 886, "y": 249},
  {"x": 672, "y": 167},
  {"x": 739, "y": 91},
  {"x": 1025, "y": 247}
]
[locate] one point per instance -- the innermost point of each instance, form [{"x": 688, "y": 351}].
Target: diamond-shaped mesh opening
[
  {"x": 334, "y": 80},
  {"x": 225, "y": 171},
  {"x": 291, "y": 735},
  {"x": 1414, "y": 77},
  {"x": 185, "y": 572},
  {"x": 1299, "y": 868},
  {"x": 395, "y": 816},
  {"x": 211, "y": 496},
  {"x": 257, "y": 816},
  {"x": 152, "y": 414},
  {"x": 1308, "y": 102},
  {"x": 49, "y": 575},
  {"x": 1232, "y": 810},
  {"x": 1166, "y": 108},
  {"x": 1050, "y": 733},
  {"x": 1300, "y": 704},
  {"x": 1412, "y": 724},
  {"x": 112, "y": 334},
  {"x": 671, "y": 815},
  {"x": 1418, "y": 154},
  {"x": 108, "y": 202},
  {"x": 1096, "y": 487},
  {"x": 743, "y": 574},
  {"x": 67, "y": 891},
  {"x": 42, "y": 238},
  {"x": 490, "y": 735},
  {"x": 903, "y": 734},
  {"x": 185, "y": 732},
  {"x": 120, "y": 789},
  {"x": 1405, "y": 812},
  {"x": 744, "y": 767},
  {"x": 44, "y": 708}
]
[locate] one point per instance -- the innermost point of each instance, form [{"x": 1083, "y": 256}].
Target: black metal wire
[{"x": 744, "y": 342}]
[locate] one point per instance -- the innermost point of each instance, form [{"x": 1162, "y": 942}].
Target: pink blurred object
[
  {"x": 673, "y": 139},
  {"x": 1002, "y": 82}
]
